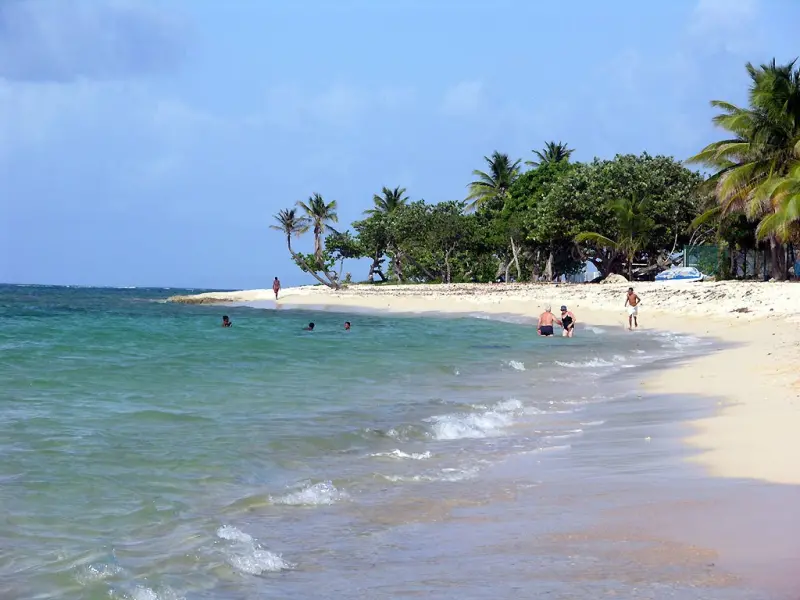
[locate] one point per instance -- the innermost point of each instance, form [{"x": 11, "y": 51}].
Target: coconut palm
[
  {"x": 320, "y": 215},
  {"x": 388, "y": 201},
  {"x": 551, "y": 153},
  {"x": 291, "y": 224},
  {"x": 633, "y": 225},
  {"x": 763, "y": 149},
  {"x": 495, "y": 184},
  {"x": 783, "y": 222}
]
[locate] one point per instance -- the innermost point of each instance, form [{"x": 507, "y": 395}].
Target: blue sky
[{"x": 150, "y": 143}]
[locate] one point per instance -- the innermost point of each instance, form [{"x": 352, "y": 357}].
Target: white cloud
[
  {"x": 728, "y": 25},
  {"x": 463, "y": 99}
]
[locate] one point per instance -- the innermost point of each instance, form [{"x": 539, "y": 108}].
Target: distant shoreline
[{"x": 753, "y": 435}]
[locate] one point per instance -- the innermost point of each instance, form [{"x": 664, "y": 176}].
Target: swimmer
[
  {"x": 546, "y": 319},
  {"x": 567, "y": 322},
  {"x": 347, "y": 325},
  {"x": 309, "y": 328},
  {"x": 226, "y": 322}
]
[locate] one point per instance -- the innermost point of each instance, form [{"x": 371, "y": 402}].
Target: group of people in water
[
  {"x": 545, "y": 326},
  {"x": 547, "y": 320}
]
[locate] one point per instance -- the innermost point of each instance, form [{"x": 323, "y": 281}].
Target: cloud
[
  {"x": 724, "y": 25},
  {"x": 463, "y": 99},
  {"x": 64, "y": 41}
]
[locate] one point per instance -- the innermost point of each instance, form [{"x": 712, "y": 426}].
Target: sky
[{"x": 149, "y": 143}]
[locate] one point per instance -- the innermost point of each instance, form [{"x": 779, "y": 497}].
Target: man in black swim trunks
[
  {"x": 546, "y": 319},
  {"x": 567, "y": 322}
]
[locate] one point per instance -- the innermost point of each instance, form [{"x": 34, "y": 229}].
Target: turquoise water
[{"x": 149, "y": 453}]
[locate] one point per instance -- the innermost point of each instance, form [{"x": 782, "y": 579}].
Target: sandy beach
[{"x": 755, "y": 379}]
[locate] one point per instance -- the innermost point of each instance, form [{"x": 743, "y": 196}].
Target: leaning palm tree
[
  {"x": 552, "y": 153},
  {"x": 291, "y": 224},
  {"x": 320, "y": 215},
  {"x": 388, "y": 201},
  {"x": 763, "y": 148},
  {"x": 633, "y": 226},
  {"x": 495, "y": 183}
]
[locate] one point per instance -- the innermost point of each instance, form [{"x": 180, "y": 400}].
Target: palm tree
[
  {"x": 551, "y": 153},
  {"x": 388, "y": 201},
  {"x": 634, "y": 226},
  {"x": 784, "y": 196},
  {"x": 320, "y": 215},
  {"x": 291, "y": 224},
  {"x": 762, "y": 150},
  {"x": 494, "y": 184},
  {"x": 294, "y": 225}
]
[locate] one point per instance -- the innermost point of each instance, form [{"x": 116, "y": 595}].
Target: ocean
[{"x": 149, "y": 453}]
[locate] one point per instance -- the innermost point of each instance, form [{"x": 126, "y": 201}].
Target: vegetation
[{"x": 632, "y": 214}]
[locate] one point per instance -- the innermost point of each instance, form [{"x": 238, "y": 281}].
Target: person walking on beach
[
  {"x": 567, "y": 322},
  {"x": 632, "y": 302},
  {"x": 546, "y": 319},
  {"x": 276, "y": 287},
  {"x": 226, "y": 322}
]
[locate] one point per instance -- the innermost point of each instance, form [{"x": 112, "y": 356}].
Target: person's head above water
[
  {"x": 347, "y": 325},
  {"x": 226, "y": 322},
  {"x": 310, "y": 327}
]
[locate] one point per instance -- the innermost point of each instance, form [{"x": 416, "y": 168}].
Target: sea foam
[
  {"x": 475, "y": 425},
  {"x": 247, "y": 556},
  {"x": 317, "y": 494}
]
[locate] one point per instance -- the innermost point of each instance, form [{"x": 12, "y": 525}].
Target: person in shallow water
[
  {"x": 276, "y": 287},
  {"x": 347, "y": 325},
  {"x": 309, "y": 328},
  {"x": 567, "y": 322},
  {"x": 226, "y": 322},
  {"x": 546, "y": 319}
]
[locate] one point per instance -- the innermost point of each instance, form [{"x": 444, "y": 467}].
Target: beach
[{"x": 756, "y": 378}]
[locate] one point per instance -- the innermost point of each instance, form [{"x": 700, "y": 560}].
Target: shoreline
[{"x": 755, "y": 377}]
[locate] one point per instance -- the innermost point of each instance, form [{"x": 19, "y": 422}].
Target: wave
[
  {"x": 594, "y": 330},
  {"x": 475, "y": 425},
  {"x": 141, "y": 592},
  {"x": 448, "y": 475},
  {"x": 586, "y": 364},
  {"x": 247, "y": 556},
  {"x": 317, "y": 494},
  {"x": 403, "y": 455},
  {"x": 96, "y": 572},
  {"x": 516, "y": 365}
]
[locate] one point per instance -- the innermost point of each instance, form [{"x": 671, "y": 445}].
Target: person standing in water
[
  {"x": 347, "y": 325},
  {"x": 276, "y": 287},
  {"x": 546, "y": 319},
  {"x": 632, "y": 302},
  {"x": 226, "y": 322},
  {"x": 567, "y": 322}
]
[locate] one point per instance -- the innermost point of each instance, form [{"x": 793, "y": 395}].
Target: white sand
[{"x": 756, "y": 433}]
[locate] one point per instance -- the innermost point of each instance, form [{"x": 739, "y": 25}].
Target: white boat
[{"x": 680, "y": 274}]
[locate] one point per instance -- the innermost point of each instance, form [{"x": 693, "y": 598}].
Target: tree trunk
[
  {"x": 548, "y": 268},
  {"x": 508, "y": 268},
  {"x": 299, "y": 260},
  {"x": 515, "y": 254},
  {"x": 777, "y": 259},
  {"x": 447, "y": 266}
]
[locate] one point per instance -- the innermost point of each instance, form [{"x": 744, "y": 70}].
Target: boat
[{"x": 680, "y": 274}]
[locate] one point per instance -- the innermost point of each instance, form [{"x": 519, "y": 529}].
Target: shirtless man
[
  {"x": 226, "y": 322},
  {"x": 567, "y": 322},
  {"x": 276, "y": 287},
  {"x": 632, "y": 302},
  {"x": 546, "y": 320}
]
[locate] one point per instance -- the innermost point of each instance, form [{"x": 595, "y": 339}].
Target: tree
[
  {"x": 293, "y": 225},
  {"x": 634, "y": 227},
  {"x": 341, "y": 246},
  {"x": 388, "y": 201},
  {"x": 320, "y": 215},
  {"x": 580, "y": 202},
  {"x": 784, "y": 221},
  {"x": 385, "y": 204},
  {"x": 494, "y": 184},
  {"x": 763, "y": 148},
  {"x": 552, "y": 153}
]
